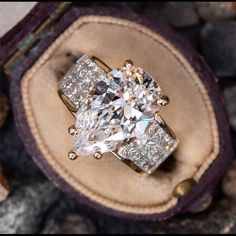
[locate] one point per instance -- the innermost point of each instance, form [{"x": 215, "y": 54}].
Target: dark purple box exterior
[{"x": 206, "y": 186}]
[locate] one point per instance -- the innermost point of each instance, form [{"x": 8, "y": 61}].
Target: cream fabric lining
[{"x": 108, "y": 181}]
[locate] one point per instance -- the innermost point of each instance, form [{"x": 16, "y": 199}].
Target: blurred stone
[
  {"x": 192, "y": 34},
  {"x": 218, "y": 47},
  {"x": 72, "y": 224},
  {"x": 229, "y": 182},
  {"x": 4, "y": 108},
  {"x": 221, "y": 219},
  {"x": 69, "y": 213},
  {"x": 22, "y": 212},
  {"x": 211, "y": 11},
  {"x": 15, "y": 160},
  {"x": 230, "y": 100},
  {"x": 177, "y": 14},
  {"x": 4, "y": 187}
]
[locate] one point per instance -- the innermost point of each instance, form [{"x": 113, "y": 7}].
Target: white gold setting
[{"x": 118, "y": 112}]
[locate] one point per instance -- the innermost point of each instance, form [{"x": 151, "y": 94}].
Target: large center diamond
[{"x": 120, "y": 106}]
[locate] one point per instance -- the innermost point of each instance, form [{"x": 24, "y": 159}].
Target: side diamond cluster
[
  {"x": 151, "y": 150},
  {"x": 80, "y": 79}
]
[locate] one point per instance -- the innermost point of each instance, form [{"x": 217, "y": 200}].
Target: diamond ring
[{"x": 117, "y": 111}]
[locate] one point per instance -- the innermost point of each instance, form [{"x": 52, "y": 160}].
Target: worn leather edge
[{"x": 10, "y": 40}]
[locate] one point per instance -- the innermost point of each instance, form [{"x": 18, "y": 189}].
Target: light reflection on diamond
[{"x": 119, "y": 108}]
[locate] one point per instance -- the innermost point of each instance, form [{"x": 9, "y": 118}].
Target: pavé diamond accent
[
  {"x": 149, "y": 151},
  {"x": 79, "y": 80}
]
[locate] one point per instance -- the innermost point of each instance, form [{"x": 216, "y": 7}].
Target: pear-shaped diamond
[{"x": 118, "y": 107}]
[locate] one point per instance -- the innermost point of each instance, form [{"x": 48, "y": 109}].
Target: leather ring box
[{"x": 38, "y": 51}]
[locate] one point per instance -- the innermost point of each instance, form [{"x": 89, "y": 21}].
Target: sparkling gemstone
[
  {"x": 149, "y": 151},
  {"x": 80, "y": 79},
  {"x": 118, "y": 107}
]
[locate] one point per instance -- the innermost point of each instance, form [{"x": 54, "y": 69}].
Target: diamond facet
[
  {"x": 118, "y": 107},
  {"x": 79, "y": 80}
]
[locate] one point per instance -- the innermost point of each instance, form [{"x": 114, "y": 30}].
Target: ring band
[{"x": 117, "y": 111}]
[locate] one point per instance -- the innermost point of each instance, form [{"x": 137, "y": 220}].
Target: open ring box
[{"x": 37, "y": 52}]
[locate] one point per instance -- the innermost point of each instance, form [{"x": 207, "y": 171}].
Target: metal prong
[
  {"x": 70, "y": 106},
  {"x": 72, "y": 130},
  {"x": 163, "y": 124},
  {"x": 163, "y": 100},
  {"x": 101, "y": 64},
  {"x": 98, "y": 155},
  {"x": 128, "y": 63},
  {"x": 72, "y": 155}
]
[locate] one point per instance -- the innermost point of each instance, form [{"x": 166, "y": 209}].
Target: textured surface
[
  {"x": 220, "y": 219},
  {"x": 22, "y": 212},
  {"x": 213, "y": 11},
  {"x": 4, "y": 186},
  {"x": 229, "y": 182},
  {"x": 230, "y": 97},
  {"x": 218, "y": 45},
  {"x": 72, "y": 224}
]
